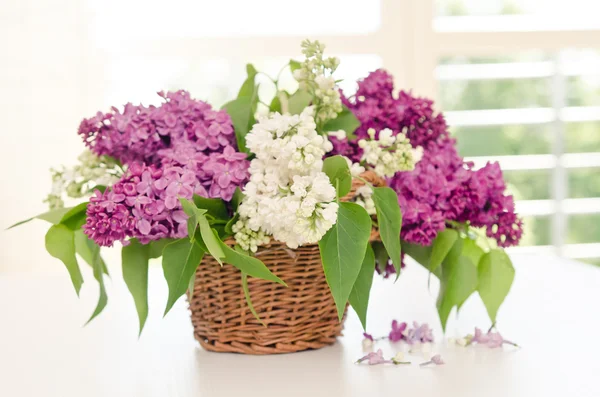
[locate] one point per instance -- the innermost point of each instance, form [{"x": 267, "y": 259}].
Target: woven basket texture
[{"x": 298, "y": 317}]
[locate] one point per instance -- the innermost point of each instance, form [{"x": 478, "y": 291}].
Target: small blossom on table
[
  {"x": 491, "y": 339},
  {"x": 374, "y": 358},
  {"x": 437, "y": 360}
]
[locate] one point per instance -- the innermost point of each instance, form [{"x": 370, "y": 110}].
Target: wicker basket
[{"x": 298, "y": 317}]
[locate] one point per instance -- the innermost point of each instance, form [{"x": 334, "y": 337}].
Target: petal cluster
[
  {"x": 180, "y": 148},
  {"x": 288, "y": 196}
]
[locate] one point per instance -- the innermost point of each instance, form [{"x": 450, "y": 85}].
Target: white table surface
[{"x": 552, "y": 311}]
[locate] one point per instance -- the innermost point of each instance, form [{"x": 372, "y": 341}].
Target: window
[{"x": 518, "y": 80}]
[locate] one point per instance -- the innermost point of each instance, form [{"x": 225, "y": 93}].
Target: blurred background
[{"x": 518, "y": 80}]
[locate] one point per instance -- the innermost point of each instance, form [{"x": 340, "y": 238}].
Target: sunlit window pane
[
  {"x": 504, "y": 140},
  {"x": 584, "y": 182},
  {"x": 529, "y": 185},
  {"x": 495, "y": 94},
  {"x": 582, "y": 137},
  {"x": 583, "y": 229},
  {"x": 536, "y": 230}
]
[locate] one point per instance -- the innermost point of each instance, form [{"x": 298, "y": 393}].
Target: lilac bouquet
[{"x": 183, "y": 179}]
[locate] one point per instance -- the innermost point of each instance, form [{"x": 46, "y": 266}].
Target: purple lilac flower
[
  {"x": 138, "y": 133},
  {"x": 182, "y": 133},
  {"x": 442, "y": 186},
  {"x": 368, "y": 336}
]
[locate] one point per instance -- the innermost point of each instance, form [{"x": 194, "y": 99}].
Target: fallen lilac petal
[
  {"x": 437, "y": 360},
  {"x": 397, "y": 332},
  {"x": 374, "y": 358}
]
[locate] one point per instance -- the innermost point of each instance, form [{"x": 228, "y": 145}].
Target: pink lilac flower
[
  {"x": 442, "y": 187},
  {"x": 150, "y": 211},
  {"x": 374, "y": 358},
  {"x": 419, "y": 333},
  {"x": 436, "y": 359},
  {"x": 219, "y": 173},
  {"x": 490, "y": 339}
]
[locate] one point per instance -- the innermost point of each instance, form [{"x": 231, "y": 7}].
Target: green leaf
[
  {"x": 87, "y": 248},
  {"x": 389, "y": 219},
  {"x": 336, "y": 168},
  {"x": 215, "y": 207},
  {"x": 496, "y": 274},
  {"x": 298, "y": 101},
  {"x": 248, "y": 264},
  {"x": 472, "y": 251},
  {"x": 134, "y": 259},
  {"x": 443, "y": 243},
  {"x": 295, "y": 65},
  {"x": 346, "y": 121},
  {"x": 230, "y": 223},
  {"x": 248, "y": 87},
  {"x": 156, "y": 247},
  {"x": 381, "y": 255},
  {"x": 458, "y": 281},
  {"x": 248, "y": 299},
  {"x": 359, "y": 297},
  {"x": 53, "y": 217},
  {"x": 343, "y": 248},
  {"x": 241, "y": 111},
  {"x": 60, "y": 243},
  {"x": 99, "y": 276},
  {"x": 421, "y": 255},
  {"x": 180, "y": 260},
  {"x": 237, "y": 198},
  {"x": 193, "y": 214},
  {"x": 275, "y": 105},
  {"x": 211, "y": 240},
  {"x": 75, "y": 217}
]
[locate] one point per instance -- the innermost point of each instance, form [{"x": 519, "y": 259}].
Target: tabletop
[{"x": 552, "y": 312}]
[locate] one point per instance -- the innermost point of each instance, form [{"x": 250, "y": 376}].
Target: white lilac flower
[
  {"x": 247, "y": 238},
  {"x": 288, "y": 196},
  {"x": 80, "y": 180},
  {"x": 315, "y": 76},
  {"x": 390, "y": 153},
  {"x": 364, "y": 198},
  {"x": 339, "y": 134}
]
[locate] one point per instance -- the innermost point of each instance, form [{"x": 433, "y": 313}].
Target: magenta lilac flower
[
  {"x": 442, "y": 187},
  {"x": 397, "y": 332}
]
